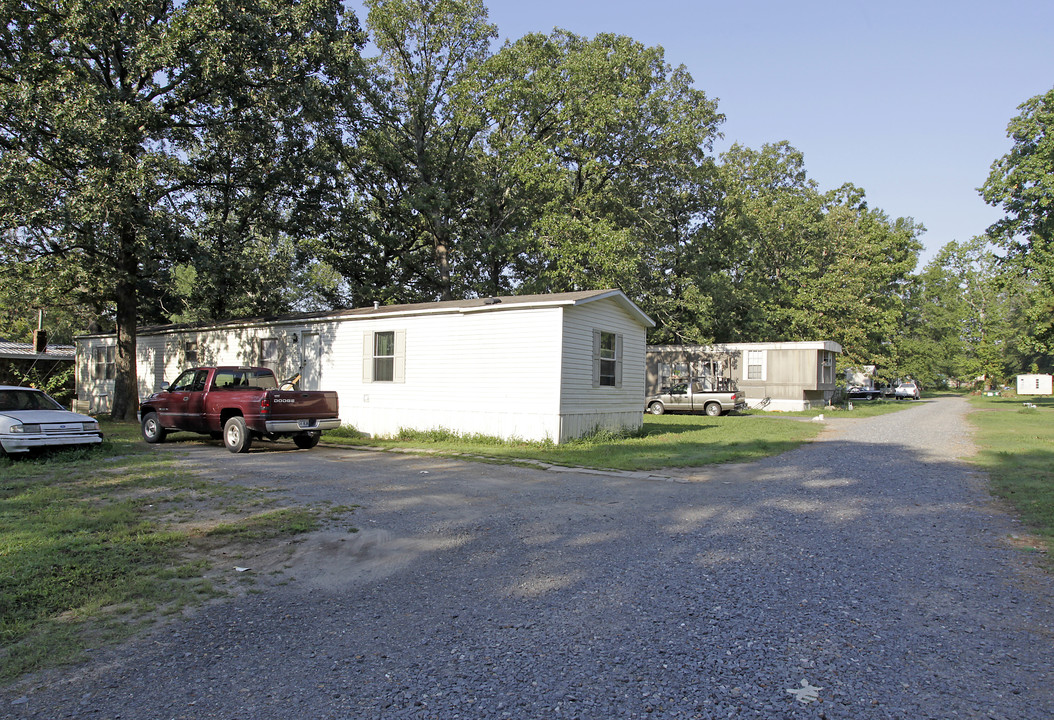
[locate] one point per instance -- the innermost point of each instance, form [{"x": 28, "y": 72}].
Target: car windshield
[{"x": 26, "y": 399}]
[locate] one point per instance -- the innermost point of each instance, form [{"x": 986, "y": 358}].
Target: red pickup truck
[{"x": 238, "y": 404}]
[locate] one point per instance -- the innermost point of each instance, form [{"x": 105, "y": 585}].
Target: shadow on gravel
[
  {"x": 824, "y": 563},
  {"x": 183, "y": 439}
]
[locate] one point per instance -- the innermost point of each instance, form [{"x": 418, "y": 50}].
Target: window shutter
[
  {"x": 367, "y": 357},
  {"x": 596, "y": 358},
  {"x": 618, "y": 360},
  {"x": 399, "y": 374}
]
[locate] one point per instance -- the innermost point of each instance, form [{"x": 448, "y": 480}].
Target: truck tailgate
[{"x": 302, "y": 404}]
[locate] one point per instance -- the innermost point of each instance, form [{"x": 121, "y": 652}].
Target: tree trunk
[
  {"x": 125, "y": 403},
  {"x": 443, "y": 260}
]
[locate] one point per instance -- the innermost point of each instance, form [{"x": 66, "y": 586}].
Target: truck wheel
[
  {"x": 152, "y": 430},
  {"x": 656, "y": 408},
  {"x": 308, "y": 440},
  {"x": 712, "y": 409},
  {"x": 236, "y": 436}
]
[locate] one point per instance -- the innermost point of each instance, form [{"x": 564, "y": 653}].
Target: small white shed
[
  {"x": 533, "y": 367},
  {"x": 1035, "y": 384}
]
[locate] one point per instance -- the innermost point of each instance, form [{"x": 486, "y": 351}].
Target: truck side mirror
[{"x": 164, "y": 386}]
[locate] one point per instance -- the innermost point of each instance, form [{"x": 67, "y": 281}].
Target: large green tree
[
  {"x": 114, "y": 115},
  {"x": 960, "y": 323},
  {"x": 790, "y": 262},
  {"x": 770, "y": 220},
  {"x": 608, "y": 172},
  {"x": 410, "y": 168},
  {"x": 1022, "y": 184}
]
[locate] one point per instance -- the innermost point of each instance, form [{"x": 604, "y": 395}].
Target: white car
[
  {"x": 908, "y": 390},
  {"x": 31, "y": 419}
]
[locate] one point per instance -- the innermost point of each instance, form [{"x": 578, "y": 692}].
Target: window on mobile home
[
  {"x": 607, "y": 359},
  {"x": 269, "y": 353},
  {"x": 105, "y": 362},
  {"x": 755, "y": 364}
]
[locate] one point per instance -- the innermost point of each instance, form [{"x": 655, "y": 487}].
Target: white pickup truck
[{"x": 695, "y": 396}]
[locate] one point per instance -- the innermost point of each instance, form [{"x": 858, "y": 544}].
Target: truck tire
[
  {"x": 656, "y": 408},
  {"x": 236, "y": 435},
  {"x": 307, "y": 440},
  {"x": 152, "y": 430},
  {"x": 712, "y": 409}
]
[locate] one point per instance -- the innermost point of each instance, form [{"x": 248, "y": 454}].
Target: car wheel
[
  {"x": 236, "y": 435},
  {"x": 712, "y": 409},
  {"x": 656, "y": 408},
  {"x": 152, "y": 430},
  {"x": 308, "y": 440}
]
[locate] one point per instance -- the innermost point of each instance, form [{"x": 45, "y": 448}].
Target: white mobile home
[
  {"x": 532, "y": 367},
  {"x": 1035, "y": 384},
  {"x": 772, "y": 376}
]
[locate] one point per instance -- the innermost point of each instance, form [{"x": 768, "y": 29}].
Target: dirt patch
[{"x": 1028, "y": 543}]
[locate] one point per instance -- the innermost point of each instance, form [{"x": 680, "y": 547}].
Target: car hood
[{"x": 45, "y": 417}]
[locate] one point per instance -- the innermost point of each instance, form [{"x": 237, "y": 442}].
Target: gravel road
[{"x": 870, "y": 565}]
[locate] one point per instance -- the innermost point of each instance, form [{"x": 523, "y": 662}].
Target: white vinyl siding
[
  {"x": 457, "y": 375},
  {"x": 1035, "y": 384},
  {"x": 586, "y": 405},
  {"x": 499, "y": 370}
]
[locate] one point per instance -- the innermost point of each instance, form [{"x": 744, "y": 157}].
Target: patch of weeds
[
  {"x": 345, "y": 432},
  {"x": 437, "y": 436},
  {"x": 286, "y": 521},
  {"x": 599, "y": 436}
]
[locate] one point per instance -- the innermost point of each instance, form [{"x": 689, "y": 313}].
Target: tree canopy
[
  {"x": 789, "y": 262},
  {"x": 186, "y": 161},
  {"x": 1022, "y": 184},
  {"x": 135, "y": 136}
]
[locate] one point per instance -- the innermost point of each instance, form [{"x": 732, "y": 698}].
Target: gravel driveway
[{"x": 870, "y": 565}]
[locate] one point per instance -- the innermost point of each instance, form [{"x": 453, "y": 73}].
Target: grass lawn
[
  {"x": 665, "y": 441},
  {"x": 1017, "y": 449},
  {"x": 96, "y": 542}
]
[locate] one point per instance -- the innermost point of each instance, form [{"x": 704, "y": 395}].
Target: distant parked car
[
  {"x": 31, "y": 420},
  {"x": 858, "y": 393},
  {"x": 908, "y": 391}
]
